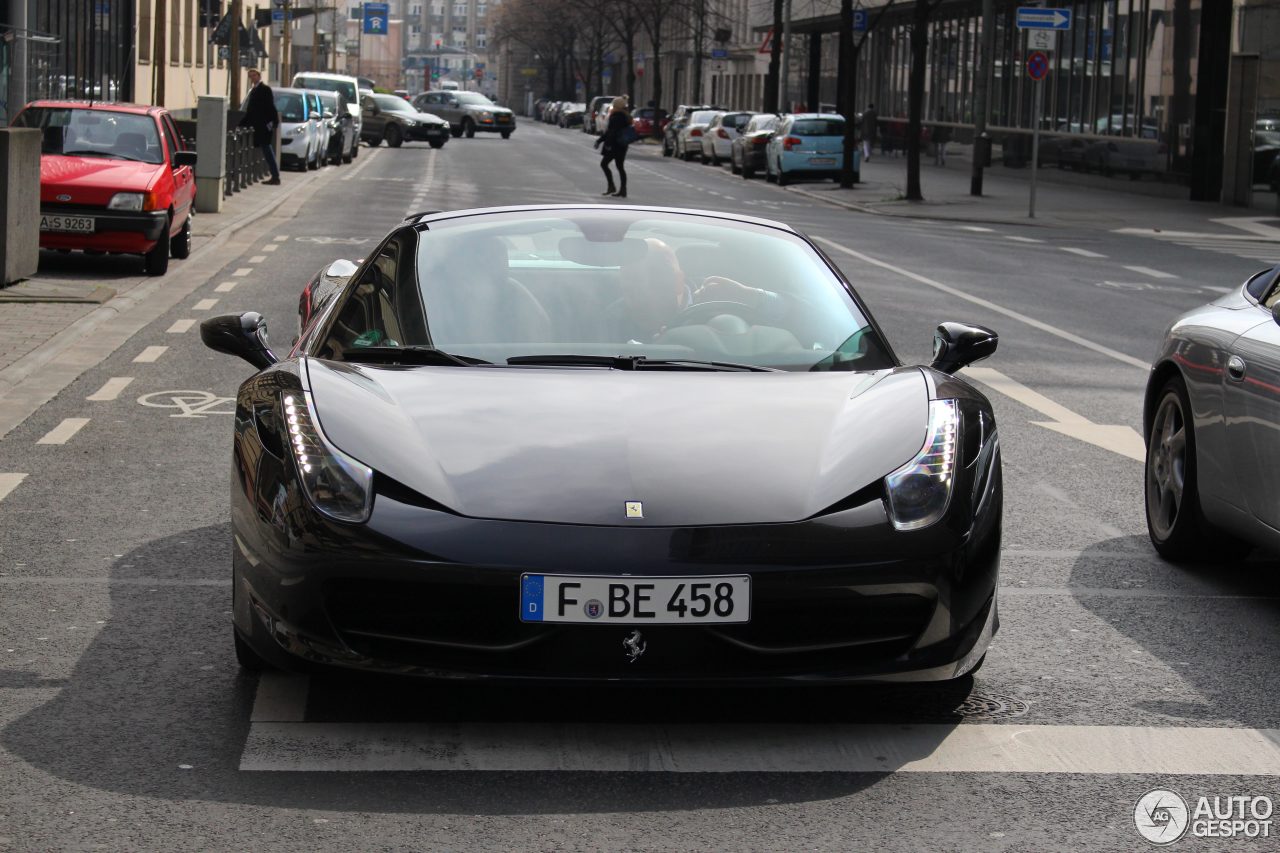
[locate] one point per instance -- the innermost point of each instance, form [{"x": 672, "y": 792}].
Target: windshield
[
  {"x": 606, "y": 284},
  {"x": 289, "y": 105},
  {"x": 346, "y": 87},
  {"x": 393, "y": 103},
  {"x": 474, "y": 99},
  {"x": 330, "y": 102},
  {"x": 702, "y": 117},
  {"x": 94, "y": 133}
]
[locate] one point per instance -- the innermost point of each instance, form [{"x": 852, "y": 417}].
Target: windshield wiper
[
  {"x": 635, "y": 362},
  {"x": 115, "y": 155},
  {"x": 410, "y": 355}
]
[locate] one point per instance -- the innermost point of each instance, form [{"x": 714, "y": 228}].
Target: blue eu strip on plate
[{"x": 531, "y": 598}]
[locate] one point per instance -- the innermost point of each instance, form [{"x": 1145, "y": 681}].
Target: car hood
[
  {"x": 572, "y": 446},
  {"x": 425, "y": 118},
  {"x": 476, "y": 108},
  {"x": 92, "y": 180}
]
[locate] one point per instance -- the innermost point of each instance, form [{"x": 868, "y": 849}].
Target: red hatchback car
[{"x": 113, "y": 178}]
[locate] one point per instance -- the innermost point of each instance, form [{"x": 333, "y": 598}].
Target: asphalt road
[{"x": 126, "y": 725}]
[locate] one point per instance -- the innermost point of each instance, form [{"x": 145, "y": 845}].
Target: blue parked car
[{"x": 806, "y": 145}]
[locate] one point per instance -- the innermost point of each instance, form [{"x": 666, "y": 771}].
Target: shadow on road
[{"x": 156, "y": 707}]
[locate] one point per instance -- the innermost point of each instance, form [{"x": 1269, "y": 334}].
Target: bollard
[
  {"x": 19, "y": 203},
  {"x": 211, "y": 146}
]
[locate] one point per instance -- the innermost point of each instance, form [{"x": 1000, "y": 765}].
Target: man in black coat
[{"x": 260, "y": 114}]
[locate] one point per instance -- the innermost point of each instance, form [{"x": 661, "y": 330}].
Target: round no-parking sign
[{"x": 1037, "y": 64}]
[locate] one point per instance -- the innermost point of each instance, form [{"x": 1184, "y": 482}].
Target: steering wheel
[{"x": 701, "y": 312}]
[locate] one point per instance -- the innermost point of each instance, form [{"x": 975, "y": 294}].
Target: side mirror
[
  {"x": 956, "y": 345},
  {"x": 184, "y": 158},
  {"x": 328, "y": 114},
  {"x": 243, "y": 335}
]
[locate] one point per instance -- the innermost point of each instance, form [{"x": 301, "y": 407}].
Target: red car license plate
[{"x": 76, "y": 224}]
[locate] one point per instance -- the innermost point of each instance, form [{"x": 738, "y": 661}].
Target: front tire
[
  {"x": 156, "y": 261},
  {"x": 436, "y": 143},
  {"x": 180, "y": 248},
  {"x": 782, "y": 177},
  {"x": 747, "y": 172},
  {"x": 506, "y": 134},
  {"x": 469, "y": 129},
  {"x": 394, "y": 137},
  {"x": 455, "y": 131},
  {"x": 249, "y": 660},
  {"x": 1175, "y": 521}
]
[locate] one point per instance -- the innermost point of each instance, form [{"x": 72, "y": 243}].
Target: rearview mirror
[
  {"x": 956, "y": 345},
  {"x": 243, "y": 335},
  {"x": 184, "y": 158}
]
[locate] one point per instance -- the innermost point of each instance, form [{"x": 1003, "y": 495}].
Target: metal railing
[{"x": 245, "y": 163}]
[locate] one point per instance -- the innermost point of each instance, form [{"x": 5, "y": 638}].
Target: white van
[
  {"x": 336, "y": 83},
  {"x": 449, "y": 86}
]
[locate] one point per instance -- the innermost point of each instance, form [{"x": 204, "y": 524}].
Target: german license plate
[
  {"x": 822, "y": 161},
  {"x": 503, "y": 119},
  {"x": 77, "y": 224},
  {"x": 698, "y": 600}
]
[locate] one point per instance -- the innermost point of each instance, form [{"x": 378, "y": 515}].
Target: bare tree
[
  {"x": 624, "y": 19},
  {"x": 915, "y": 91},
  {"x": 847, "y": 74},
  {"x": 772, "y": 77},
  {"x": 655, "y": 16}
]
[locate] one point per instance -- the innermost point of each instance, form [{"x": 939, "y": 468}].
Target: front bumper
[
  {"x": 426, "y": 133},
  {"x": 113, "y": 231},
  {"x": 422, "y": 592},
  {"x": 495, "y": 125}
]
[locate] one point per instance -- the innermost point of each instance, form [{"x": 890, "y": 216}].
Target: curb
[{"x": 935, "y": 217}]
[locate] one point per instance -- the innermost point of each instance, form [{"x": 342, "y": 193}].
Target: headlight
[
  {"x": 339, "y": 486},
  {"x": 486, "y": 114},
  {"x": 126, "y": 201},
  {"x": 298, "y": 130},
  {"x": 410, "y": 123},
  {"x": 920, "y": 491}
]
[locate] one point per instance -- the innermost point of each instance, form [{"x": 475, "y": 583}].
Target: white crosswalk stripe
[{"x": 1253, "y": 240}]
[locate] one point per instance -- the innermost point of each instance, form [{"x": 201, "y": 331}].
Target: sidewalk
[
  {"x": 1063, "y": 199},
  {"x": 67, "y": 289}
]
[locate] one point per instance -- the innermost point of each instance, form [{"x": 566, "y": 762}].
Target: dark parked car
[
  {"x": 468, "y": 113},
  {"x": 748, "y": 153},
  {"x": 1212, "y": 414},
  {"x": 510, "y": 445},
  {"x": 394, "y": 119}
]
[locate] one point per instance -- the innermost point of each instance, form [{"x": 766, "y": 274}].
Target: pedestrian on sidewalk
[
  {"x": 870, "y": 129},
  {"x": 260, "y": 114},
  {"x": 618, "y": 134},
  {"x": 941, "y": 136}
]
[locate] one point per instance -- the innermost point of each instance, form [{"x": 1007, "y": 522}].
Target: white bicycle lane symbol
[{"x": 190, "y": 404}]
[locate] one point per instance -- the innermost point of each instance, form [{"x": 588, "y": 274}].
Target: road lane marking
[
  {"x": 271, "y": 247},
  {"x": 63, "y": 432},
  {"x": 110, "y": 389},
  {"x": 1124, "y": 358},
  {"x": 760, "y": 748},
  {"x": 1022, "y": 239},
  {"x": 9, "y": 482},
  {"x": 257, "y": 259},
  {"x": 1252, "y": 224},
  {"x": 1084, "y": 253},
  {"x": 1123, "y": 440},
  {"x": 149, "y": 355},
  {"x": 370, "y": 156},
  {"x": 1149, "y": 271},
  {"x": 225, "y": 287},
  {"x": 281, "y": 698},
  {"x": 977, "y": 228},
  {"x": 204, "y": 305},
  {"x": 242, "y": 272},
  {"x": 180, "y": 326}
]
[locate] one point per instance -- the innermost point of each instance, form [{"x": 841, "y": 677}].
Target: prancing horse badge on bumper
[
  {"x": 635, "y": 646},
  {"x": 635, "y": 509}
]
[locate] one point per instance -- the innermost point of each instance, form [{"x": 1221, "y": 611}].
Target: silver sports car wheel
[
  {"x": 1175, "y": 521},
  {"x": 1167, "y": 463}
]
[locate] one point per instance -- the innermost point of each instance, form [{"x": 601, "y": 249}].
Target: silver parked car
[{"x": 1212, "y": 417}]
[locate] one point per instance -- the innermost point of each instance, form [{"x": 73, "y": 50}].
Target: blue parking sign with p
[
  {"x": 859, "y": 20},
  {"x": 376, "y": 18}
]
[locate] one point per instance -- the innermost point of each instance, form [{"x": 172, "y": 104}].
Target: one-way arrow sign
[{"x": 1036, "y": 18}]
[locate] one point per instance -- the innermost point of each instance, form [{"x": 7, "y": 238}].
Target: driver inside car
[{"x": 656, "y": 291}]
